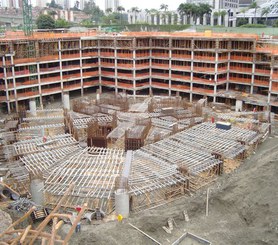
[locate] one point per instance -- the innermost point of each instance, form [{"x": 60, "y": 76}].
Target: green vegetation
[
  {"x": 94, "y": 11},
  {"x": 193, "y": 10},
  {"x": 276, "y": 24},
  {"x": 60, "y": 23},
  {"x": 253, "y": 26},
  {"x": 45, "y": 22}
]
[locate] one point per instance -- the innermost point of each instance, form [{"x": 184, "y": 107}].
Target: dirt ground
[{"x": 243, "y": 209}]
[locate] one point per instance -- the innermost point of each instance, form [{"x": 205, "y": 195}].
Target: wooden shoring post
[
  {"x": 24, "y": 234},
  {"x": 49, "y": 217},
  {"x": 79, "y": 216},
  {"x": 52, "y": 239}
]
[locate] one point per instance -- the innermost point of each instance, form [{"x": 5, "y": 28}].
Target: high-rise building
[
  {"x": 41, "y": 3},
  {"x": 113, "y": 4}
]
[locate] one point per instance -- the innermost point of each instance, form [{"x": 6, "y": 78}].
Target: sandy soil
[{"x": 243, "y": 209}]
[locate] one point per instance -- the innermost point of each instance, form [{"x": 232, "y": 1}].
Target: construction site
[{"x": 138, "y": 138}]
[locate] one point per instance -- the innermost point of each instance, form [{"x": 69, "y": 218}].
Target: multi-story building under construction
[{"x": 222, "y": 67}]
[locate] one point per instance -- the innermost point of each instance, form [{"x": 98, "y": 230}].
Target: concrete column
[
  {"x": 198, "y": 21},
  {"x": 270, "y": 86},
  {"x": 191, "y": 21},
  {"x": 134, "y": 73},
  {"x": 228, "y": 74},
  {"x": 32, "y": 107},
  {"x": 14, "y": 84},
  {"x": 205, "y": 20},
  {"x": 219, "y": 21},
  {"x": 191, "y": 93},
  {"x": 239, "y": 104},
  {"x": 36, "y": 187},
  {"x": 99, "y": 68},
  {"x": 66, "y": 101},
  {"x": 252, "y": 78},
  {"x": 6, "y": 84},
  {"x": 234, "y": 23},
  {"x": 250, "y": 20},
  {"x": 39, "y": 81},
  {"x": 60, "y": 64},
  {"x": 81, "y": 70},
  {"x": 226, "y": 20},
  {"x": 161, "y": 19},
  {"x": 155, "y": 19},
  {"x": 172, "y": 19}
]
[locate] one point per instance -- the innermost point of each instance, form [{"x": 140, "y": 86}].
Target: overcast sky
[{"x": 144, "y": 4}]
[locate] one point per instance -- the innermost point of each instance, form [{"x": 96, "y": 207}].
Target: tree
[
  {"x": 266, "y": 11},
  {"x": 135, "y": 10},
  {"x": 275, "y": 24},
  {"x": 61, "y": 23},
  {"x": 109, "y": 10},
  {"x": 54, "y": 5},
  {"x": 165, "y": 8},
  {"x": 215, "y": 16},
  {"x": 90, "y": 8},
  {"x": 204, "y": 9},
  {"x": 254, "y": 6},
  {"x": 45, "y": 22},
  {"x": 222, "y": 13},
  {"x": 121, "y": 10}
]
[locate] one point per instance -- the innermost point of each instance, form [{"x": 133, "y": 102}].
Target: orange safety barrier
[
  {"x": 90, "y": 73},
  {"x": 90, "y": 83},
  {"x": 262, "y": 71},
  {"x": 162, "y": 85},
  {"x": 125, "y": 85},
  {"x": 275, "y": 76},
  {"x": 187, "y": 68},
  {"x": 51, "y": 90},
  {"x": 70, "y": 56},
  {"x": 239, "y": 80},
  {"x": 181, "y": 56},
  {"x": 203, "y": 90},
  {"x": 120, "y": 74},
  {"x": 160, "y": 65},
  {"x": 51, "y": 79},
  {"x": 261, "y": 82},
  {"x": 241, "y": 69},
  {"x": 182, "y": 77},
  {"x": 142, "y": 74},
  {"x": 201, "y": 57},
  {"x": 180, "y": 87},
  {"x": 72, "y": 86},
  {"x": 165, "y": 75},
  {"x": 241, "y": 58},
  {"x": 139, "y": 85}
]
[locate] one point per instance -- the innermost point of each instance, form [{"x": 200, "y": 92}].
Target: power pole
[{"x": 27, "y": 18}]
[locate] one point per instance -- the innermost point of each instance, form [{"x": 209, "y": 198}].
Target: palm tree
[
  {"x": 243, "y": 11},
  {"x": 148, "y": 12},
  {"x": 255, "y": 6},
  {"x": 121, "y": 9},
  {"x": 109, "y": 10},
  {"x": 204, "y": 9},
  {"x": 266, "y": 11},
  {"x": 215, "y": 16},
  {"x": 135, "y": 10},
  {"x": 186, "y": 9},
  {"x": 165, "y": 8},
  {"x": 222, "y": 13}
]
